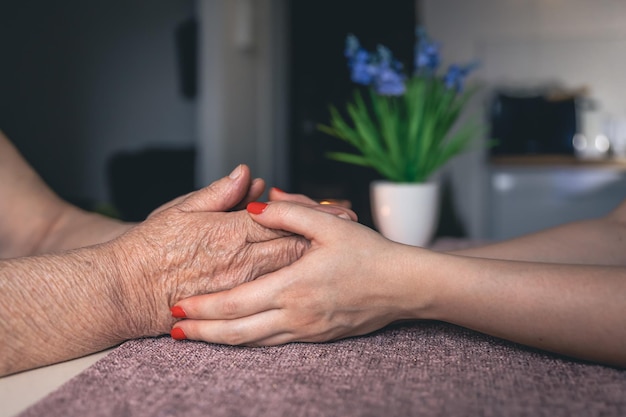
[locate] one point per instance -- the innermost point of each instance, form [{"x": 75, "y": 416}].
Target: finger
[
  {"x": 277, "y": 253},
  {"x": 339, "y": 211},
  {"x": 275, "y": 340},
  {"x": 222, "y": 194},
  {"x": 345, "y": 213},
  {"x": 244, "y": 300},
  {"x": 245, "y": 331},
  {"x": 277, "y": 194},
  {"x": 256, "y": 190},
  {"x": 312, "y": 223},
  {"x": 255, "y": 232}
]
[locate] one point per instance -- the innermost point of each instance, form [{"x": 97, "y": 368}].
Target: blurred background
[{"x": 121, "y": 106}]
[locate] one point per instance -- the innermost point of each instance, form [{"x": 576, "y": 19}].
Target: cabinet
[{"x": 527, "y": 194}]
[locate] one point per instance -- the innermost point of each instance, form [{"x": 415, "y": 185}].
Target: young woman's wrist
[{"x": 425, "y": 283}]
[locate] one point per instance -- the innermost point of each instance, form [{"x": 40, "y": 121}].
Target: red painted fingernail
[
  {"x": 178, "y": 334},
  {"x": 178, "y": 312},
  {"x": 278, "y": 189},
  {"x": 256, "y": 207}
]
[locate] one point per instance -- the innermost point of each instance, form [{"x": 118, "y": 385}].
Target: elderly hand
[
  {"x": 192, "y": 246},
  {"x": 94, "y": 297},
  {"x": 348, "y": 283}
]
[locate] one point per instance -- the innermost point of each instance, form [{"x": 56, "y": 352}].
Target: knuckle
[
  {"x": 289, "y": 250},
  {"x": 233, "y": 336},
  {"x": 229, "y": 308},
  {"x": 299, "y": 246},
  {"x": 284, "y": 209}
]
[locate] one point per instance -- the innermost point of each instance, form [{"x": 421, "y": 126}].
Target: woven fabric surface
[{"x": 413, "y": 369}]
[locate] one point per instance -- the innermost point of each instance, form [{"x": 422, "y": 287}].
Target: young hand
[{"x": 349, "y": 282}]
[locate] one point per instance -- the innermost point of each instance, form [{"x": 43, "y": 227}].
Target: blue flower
[
  {"x": 380, "y": 70},
  {"x": 427, "y": 56},
  {"x": 361, "y": 69},
  {"x": 455, "y": 76},
  {"x": 389, "y": 82},
  {"x": 352, "y": 46},
  {"x": 359, "y": 61}
]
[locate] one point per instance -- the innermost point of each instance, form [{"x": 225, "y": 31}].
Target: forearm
[
  {"x": 59, "y": 307},
  {"x": 35, "y": 220},
  {"x": 599, "y": 242},
  {"x": 76, "y": 228},
  {"x": 575, "y": 310}
]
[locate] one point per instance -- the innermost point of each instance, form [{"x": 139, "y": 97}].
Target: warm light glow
[{"x": 336, "y": 202}]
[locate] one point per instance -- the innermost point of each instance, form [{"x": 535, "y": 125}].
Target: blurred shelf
[{"x": 556, "y": 161}]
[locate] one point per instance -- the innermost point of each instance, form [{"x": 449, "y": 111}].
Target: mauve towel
[{"x": 413, "y": 369}]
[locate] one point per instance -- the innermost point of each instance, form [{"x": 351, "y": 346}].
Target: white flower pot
[{"x": 405, "y": 212}]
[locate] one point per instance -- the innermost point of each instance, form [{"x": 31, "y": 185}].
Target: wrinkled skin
[
  {"x": 95, "y": 283},
  {"x": 192, "y": 246},
  {"x": 83, "y": 283},
  {"x": 334, "y": 291}
]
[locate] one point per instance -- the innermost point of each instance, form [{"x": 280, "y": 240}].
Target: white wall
[
  {"x": 569, "y": 42},
  {"x": 242, "y": 102},
  {"x": 80, "y": 80}
]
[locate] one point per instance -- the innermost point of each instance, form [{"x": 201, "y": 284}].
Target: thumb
[{"x": 222, "y": 194}]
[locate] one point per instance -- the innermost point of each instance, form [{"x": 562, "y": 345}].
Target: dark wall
[
  {"x": 82, "y": 80},
  {"x": 319, "y": 77}
]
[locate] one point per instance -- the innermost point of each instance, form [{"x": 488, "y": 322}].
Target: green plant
[{"x": 406, "y": 129}]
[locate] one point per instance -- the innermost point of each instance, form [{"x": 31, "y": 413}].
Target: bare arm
[
  {"x": 59, "y": 306},
  {"x": 35, "y": 220},
  {"x": 120, "y": 280},
  {"x": 353, "y": 281},
  {"x": 598, "y": 241},
  {"x": 574, "y": 310}
]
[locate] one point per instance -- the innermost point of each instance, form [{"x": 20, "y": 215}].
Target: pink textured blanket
[{"x": 416, "y": 369}]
